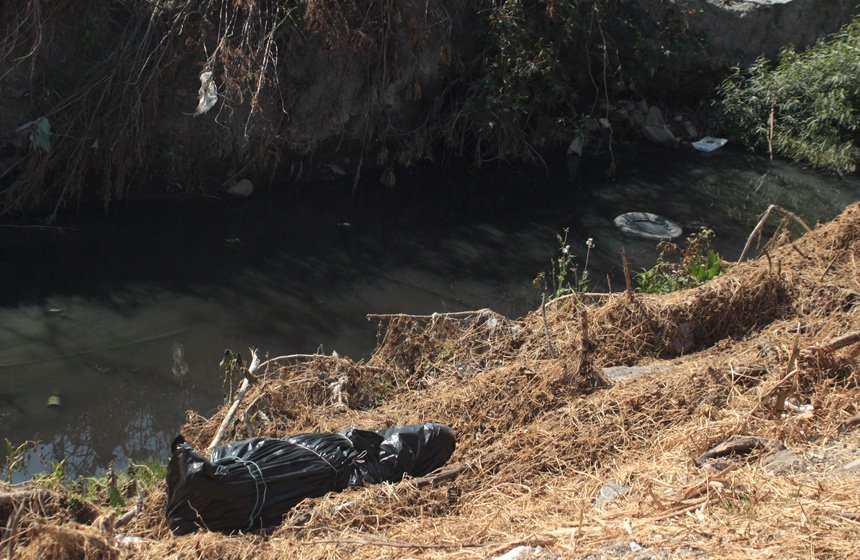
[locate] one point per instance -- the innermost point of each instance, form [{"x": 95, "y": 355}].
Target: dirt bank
[
  {"x": 767, "y": 351},
  {"x": 104, "y": 101}
]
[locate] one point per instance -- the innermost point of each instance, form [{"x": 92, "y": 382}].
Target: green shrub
[
  {"x": 543, "y": 67},
  {"x": 697, "y": 263},
  {"x": 804, "y": 107}
]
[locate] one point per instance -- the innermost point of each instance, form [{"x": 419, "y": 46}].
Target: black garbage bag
[{"x": 251, "y": 484}]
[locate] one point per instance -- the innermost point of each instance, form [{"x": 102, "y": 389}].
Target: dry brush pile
[{"x": 760, "y": 359}]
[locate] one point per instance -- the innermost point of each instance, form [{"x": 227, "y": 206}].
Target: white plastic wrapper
[{"x": 208, "y": 93}]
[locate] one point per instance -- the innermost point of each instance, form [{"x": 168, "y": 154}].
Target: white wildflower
[{"x": 589, "y": 243}]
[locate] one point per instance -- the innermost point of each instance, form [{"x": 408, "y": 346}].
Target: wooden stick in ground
[
  {"x": 243, "y": 388},
  {"x": 756, "y": 232},
  {"x": 627, "y": 274},
  {"x": 549, "y": 347}
]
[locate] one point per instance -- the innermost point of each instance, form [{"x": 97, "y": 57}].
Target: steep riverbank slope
[{"x": 620, "y": 396}]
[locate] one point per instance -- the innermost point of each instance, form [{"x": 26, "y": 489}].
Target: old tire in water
[{"x": 647, "y": 225}]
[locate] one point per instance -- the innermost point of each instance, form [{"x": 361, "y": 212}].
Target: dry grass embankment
[{"x": 540, "y": 436}]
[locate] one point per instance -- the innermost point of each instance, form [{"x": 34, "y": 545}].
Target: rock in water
[{"x": 242, "y": 189}]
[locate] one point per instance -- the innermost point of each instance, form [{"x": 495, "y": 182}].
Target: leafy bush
[
  {"x": 543, "y": 67},
  {"x": 698, "y": 263},
  {"x": 805, "y": 107}
]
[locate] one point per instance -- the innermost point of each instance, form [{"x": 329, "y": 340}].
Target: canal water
[{"x": 125, "y": 317}]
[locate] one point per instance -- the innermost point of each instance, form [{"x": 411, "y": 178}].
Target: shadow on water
[{"x": 127, "y": 315}]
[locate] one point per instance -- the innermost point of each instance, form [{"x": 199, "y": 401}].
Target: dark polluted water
[{"x": 126, "y": 317}]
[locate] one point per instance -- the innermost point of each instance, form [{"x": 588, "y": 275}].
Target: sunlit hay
[
  {"x": 301, "y": 396},
  {"x": 150, "y": 522},
  {"x": 538, "y": 437},
  {"x": 369, "y": 509},
  {"x": 672, "y": 504},
  {"x": 423, "y": 349},
  {"x": 624, "y": 331},
  {"x": 205, "y": 545},
  {"x": 67, "y": 542}
]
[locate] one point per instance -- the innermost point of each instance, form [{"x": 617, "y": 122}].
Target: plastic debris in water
[
  {"x": 55, "y": 400},
  {"x": 180, "y": 366},
  {"x": 709, "y": 144}
]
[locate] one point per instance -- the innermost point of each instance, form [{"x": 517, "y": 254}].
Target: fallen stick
[
  {"x": 298, "y": 357},
  {"x": 451, "y": 315},
  {"x": 12, "y": 498},
  {"x": 841, "y": 341},
  {"x": 442, "y": 476},
  {"x": 760, "y": 225},
  {"x": 827, "y": 268},
  {"x": 129, "y": 515},
  {"x": 243, "y": 388},
  {"x": 582, "y": 295},
  {"x": 850, "y": 423},
  {"x": 739, "y": 446}
]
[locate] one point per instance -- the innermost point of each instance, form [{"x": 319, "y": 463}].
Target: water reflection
[{"x": 128, "y": 321}]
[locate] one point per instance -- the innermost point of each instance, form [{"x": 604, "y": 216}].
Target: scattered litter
[
  {"x": 40, "y": 133},
  {"x": 251, "y": 484},
  {"x": 610, "y": 491},
  {"x": 799, "y": 408},
  {"x": 55, "y": 400},
  {"x": 709, "y": 144},
  {"x": 131, "y": 540},
  {"x": 522, "y": 552},
  {"x": 647, "y": 226},
  {"x": 208, "y": 93}
]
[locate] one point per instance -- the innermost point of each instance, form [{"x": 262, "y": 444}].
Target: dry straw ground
[{"x": 540, "y": 436}]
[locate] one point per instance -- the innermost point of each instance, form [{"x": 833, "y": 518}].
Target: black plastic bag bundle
[{"x": 251, "y": 484}]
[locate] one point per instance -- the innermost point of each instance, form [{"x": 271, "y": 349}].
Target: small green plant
[
  {"x": 566, "y": 276},
  {"x": 695, "y": 263},
  {"x": 17, "y": 458},
  {"x": 55, "y": 478},
  {"x": 118, "y": 489},
  {"x": 233, "y": 369}
]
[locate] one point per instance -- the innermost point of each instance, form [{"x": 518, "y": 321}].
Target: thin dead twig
[
  {"x": 243, "y": 389},
  {"x": 757, "y": 230},
  {"x": 451, "y": 315},
  {"x": 841, "y": 342},
  {"x": 549, "y": 347}
]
